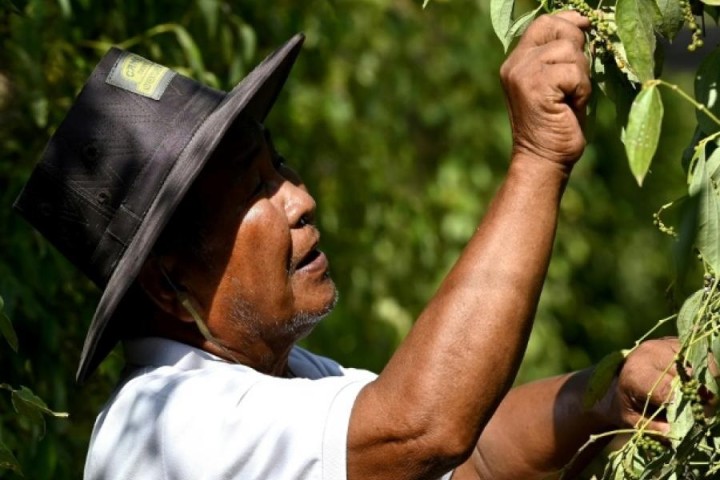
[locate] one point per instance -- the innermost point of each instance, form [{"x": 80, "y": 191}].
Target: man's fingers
[
  {"x": 573, "y": 17},
  {"x": 655, "y": 424},
  {"x": 570, "y": 83},
  {"x": 562, "y": 51},
  {"x": 548, "y": 28}
]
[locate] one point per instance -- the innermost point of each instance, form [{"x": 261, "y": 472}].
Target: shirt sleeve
[{"x": 275, "y": 429}]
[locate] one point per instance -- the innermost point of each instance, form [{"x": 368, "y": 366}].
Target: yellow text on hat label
[{"x": 137, "y": 75}]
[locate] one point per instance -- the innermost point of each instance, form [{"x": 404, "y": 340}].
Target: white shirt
[{"x": 187, "y": 414}]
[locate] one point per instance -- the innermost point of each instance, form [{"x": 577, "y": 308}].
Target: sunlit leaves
[
  {"x": 521, "y": 24},
  {"x": 643, "y": 131},
  {"x": 708, "y": 206},
  {"x": 501, "y": 16},
  {"x": 635, "y": 28},
  {"x": 679, "y": 414},
  {"x": 687, "y": 315}
]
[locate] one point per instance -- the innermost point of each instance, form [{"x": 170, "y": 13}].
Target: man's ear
[{"x": 165, "y": 292}]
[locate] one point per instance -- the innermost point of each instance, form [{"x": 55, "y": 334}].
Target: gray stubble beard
[{"x": 298, "y": 327}]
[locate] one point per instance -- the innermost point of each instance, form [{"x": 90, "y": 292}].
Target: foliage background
[{"x": 395, "y": 118}]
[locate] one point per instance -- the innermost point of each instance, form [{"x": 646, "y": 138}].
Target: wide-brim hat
[{"x": 121, "y": 161}]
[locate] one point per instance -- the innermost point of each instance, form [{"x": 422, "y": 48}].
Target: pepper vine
[{"x": 622, "y": 44}]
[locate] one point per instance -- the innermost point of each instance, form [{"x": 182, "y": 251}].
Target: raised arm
[{"x": 426, "y": 411}]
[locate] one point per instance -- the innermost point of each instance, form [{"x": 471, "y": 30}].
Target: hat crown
[{"x": 107, "y": 160}]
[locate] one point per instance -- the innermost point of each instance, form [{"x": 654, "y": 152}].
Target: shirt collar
[{"x": 158, "y": 352}]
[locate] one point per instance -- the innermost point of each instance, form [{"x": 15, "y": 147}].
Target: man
[{"x": 211, "y": 304}]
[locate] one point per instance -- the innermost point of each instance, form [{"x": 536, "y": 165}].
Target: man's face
[{"x": 263, "y": 278}]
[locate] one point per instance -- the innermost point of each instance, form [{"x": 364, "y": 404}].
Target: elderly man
[{"x": 210, "y": 303}]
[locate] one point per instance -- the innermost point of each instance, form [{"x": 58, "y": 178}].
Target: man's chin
[{"x": 305, "y": 321}]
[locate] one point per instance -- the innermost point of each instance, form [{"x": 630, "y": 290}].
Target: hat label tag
[{"x": 137, "y": 75}]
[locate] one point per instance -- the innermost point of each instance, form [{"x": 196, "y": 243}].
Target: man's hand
[
  {"x": 650, "y": 368},
  {"x": 547, "y": 86}
]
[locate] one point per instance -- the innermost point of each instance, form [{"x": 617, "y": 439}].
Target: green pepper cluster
[
  {"x": 697, "y": 41},
  {"x": 691, "y": 391},
  {"x": 650, "y": 447}
]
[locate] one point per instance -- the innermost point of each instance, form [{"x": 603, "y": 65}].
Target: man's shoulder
[{"x": 310, "y": 365}]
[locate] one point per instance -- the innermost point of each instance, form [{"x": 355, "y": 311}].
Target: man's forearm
[
  {"x": 482, "y": 315},
  {"x": 536, "y": 430}
]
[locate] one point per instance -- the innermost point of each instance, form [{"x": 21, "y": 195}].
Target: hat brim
[{"x": 254, "y": 96}]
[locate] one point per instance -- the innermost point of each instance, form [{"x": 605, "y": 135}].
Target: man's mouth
[
  {"x": 308, "y": 259},
  {"x": 314, "y": 261}
]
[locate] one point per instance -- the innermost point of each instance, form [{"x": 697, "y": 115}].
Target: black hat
[{"x": 119, "y": 164}]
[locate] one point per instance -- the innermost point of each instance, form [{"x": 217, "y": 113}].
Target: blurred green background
[{"x": 394, "y": 115}]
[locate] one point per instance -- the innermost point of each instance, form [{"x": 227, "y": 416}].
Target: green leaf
[
  {"x": 708, "y": 222},
  {"x": 643, "y": 131},
  {"x": 683, "y": 256},
  {"x": 32, "y": 407},
  {"x": 697, "y": 356},
  {"x": 601, "y": 378},
  {"x": 709, "y": 380},
  {"x": 688, "y": 312},
  {"x": 616, "y": 86},
  {"x": 6, "y": 328},
  {"x": 7, "y": 331},
  {"x": 696, "y": 172},
  {"x": 679, "y": 415},
  {"x": 26, "y": 396},
  {"x": 711, "y": 2},
  {"x": 712, "y": 12},
  {"x": 707, "y": 91},
  {"x": 501, "y": 17},
  {"x": 635, "y": 28},
  {"x": 715, "y": 346},
  {"x": 520, "y": 25},
  {"x": 66, "y": 8},
  {"x": 190, "y": 49},
  {"x": 671, "y": 18},
  {"x": 39, "y": 111},
  {"x": 713, "y": 163},
  {"x": 8, "y": 460},
  {"x": 249, "y": 41},
  {"x": 28, "y": 411},
  {"x": 210, "y": 10}
]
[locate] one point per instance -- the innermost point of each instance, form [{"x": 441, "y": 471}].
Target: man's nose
[{"x": 299, "y": 204}]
